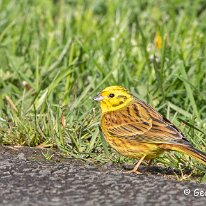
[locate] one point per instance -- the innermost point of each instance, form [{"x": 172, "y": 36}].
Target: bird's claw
[{"x": 132, "y": 171}]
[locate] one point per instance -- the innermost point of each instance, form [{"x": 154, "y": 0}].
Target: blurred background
[{"x": 55, "y": 55}]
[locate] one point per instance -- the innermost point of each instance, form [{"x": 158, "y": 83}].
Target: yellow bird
[{"x": 135, "y": 129}]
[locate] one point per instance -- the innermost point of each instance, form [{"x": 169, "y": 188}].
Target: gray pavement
[{"x": 35, "y": 182}]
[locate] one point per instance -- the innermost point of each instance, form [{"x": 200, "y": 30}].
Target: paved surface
[{"x": 35, "y": 182}]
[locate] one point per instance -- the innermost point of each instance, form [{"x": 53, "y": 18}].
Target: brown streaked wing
[
  {"x": 141, "y": 122},
  {"x": 127, "y": 122},
  {"x": 162, "y": 128}
]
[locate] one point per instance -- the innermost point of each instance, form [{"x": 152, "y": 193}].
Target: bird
[{"x": 136, "y": 130}]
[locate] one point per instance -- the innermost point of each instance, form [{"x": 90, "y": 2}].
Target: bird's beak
[{"x": 98, "y": 98}]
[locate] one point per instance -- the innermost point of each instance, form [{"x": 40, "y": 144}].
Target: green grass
[{"x": 56, "y": 55}]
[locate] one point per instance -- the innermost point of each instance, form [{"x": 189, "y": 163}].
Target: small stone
[{"x": 21, "y": 156}]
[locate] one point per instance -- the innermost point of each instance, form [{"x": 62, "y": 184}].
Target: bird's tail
[{"x": 188, "y": 150}]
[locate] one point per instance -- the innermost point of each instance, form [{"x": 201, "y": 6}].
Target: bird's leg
[
  {"x": 135, "y": 169},
  {"x": 148, "y": 165}
]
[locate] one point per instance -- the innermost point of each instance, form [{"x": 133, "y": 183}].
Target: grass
[{"x": 56, "y": 55}]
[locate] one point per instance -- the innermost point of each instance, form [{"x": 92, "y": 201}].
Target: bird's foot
[{"x": 132, "y": 172}]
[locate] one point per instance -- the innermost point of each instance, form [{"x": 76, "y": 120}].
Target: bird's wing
[{"x": 142, "y": 123}]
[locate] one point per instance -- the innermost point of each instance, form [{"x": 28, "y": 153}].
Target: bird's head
[{"x": 113, "y": 98}]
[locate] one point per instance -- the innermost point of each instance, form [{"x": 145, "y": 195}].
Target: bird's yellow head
[{"x": 113, "y": 98}]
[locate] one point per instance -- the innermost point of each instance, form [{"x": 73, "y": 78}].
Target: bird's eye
[{"x": 111, "y": 95}]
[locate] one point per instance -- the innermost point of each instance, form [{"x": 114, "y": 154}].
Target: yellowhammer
[{"x": 136, "y": 130}]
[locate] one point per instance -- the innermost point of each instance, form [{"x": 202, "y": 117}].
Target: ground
[{"x": 28, "y": 179}]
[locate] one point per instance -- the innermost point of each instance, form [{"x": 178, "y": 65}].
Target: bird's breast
[{"x": 132, "y": 148}]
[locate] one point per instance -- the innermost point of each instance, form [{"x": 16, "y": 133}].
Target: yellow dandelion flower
[{"x": 158, "y": 41}]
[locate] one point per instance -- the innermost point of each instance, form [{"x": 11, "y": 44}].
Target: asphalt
[{"x": 31, "y": 181}]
